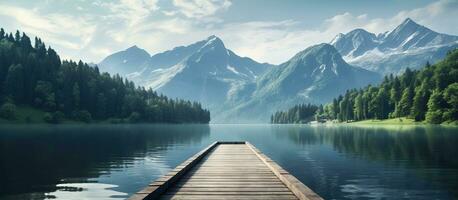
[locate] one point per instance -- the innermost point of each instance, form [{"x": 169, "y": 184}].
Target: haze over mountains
[
  {"x": 204, "y": 71},
  {"x": 315, "y": 75},
  {"x": 239, "y": 89},
  {"x": 125, "y": 62},
  {"x": 408, "y": 45}
]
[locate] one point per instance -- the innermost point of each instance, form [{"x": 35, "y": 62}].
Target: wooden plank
[
  {"x": 233, "y": 174},
  {"x": 237, "y": 173},
  {"x": 153, "y": 190},
  {"x": 225, "y": 197},
  {"x": 233, "y": 182},
  {"x": 205, "y": 171},
  {"x": 229, "y": 193},
  {"x": 222, "y": 189},
  {"x": 298, "y": 188},
  {"x": 215, "y": 181},
  {"x": 191, "y": 176},
  {"x": 227, "y": 170},
  {"x": 231, "y": 185},
  {"x": 226, "y": 178}
]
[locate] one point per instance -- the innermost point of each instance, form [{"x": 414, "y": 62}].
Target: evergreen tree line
[
  {"x": 35, "y": 76},
  {"x": 429, "y": 94},
  {"x": 298, "y": 114}
]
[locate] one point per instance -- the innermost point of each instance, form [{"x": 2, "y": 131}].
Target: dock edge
[{"x": 160, "y": 185}]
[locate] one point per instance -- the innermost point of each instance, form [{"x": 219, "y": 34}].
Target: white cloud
[
  {"x": 275, "y": 42},
  {"x": 169, "y": 13},
  {"x": 59, "y": 29},
  {"x": 438, "y": 16},
  {"x": 134, "y": 12},
  {"x": 201, "y": 8},
  {"x": 265, "y": 41},
  {"x": 118, "y": 25},
  {"x": 170, "y": 25}
]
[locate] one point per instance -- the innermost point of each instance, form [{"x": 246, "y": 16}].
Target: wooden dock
[{"x": 227, "y": 170}]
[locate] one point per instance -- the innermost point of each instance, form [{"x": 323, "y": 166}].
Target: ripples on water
[{"x": 338, "y": 162}]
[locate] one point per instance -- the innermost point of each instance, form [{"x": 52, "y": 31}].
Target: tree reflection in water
[
  {"x": 37, "y": 158},
  {"x": 427, "y": 151}
]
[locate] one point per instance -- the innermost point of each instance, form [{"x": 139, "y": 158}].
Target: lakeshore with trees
[
  {"x": 427, "y": 95},
  {"x": 36, "y": 86}
]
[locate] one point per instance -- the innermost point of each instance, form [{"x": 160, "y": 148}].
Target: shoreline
[
  {"x": 386, "y": 122},
  {"x": 397, "y": 122}
]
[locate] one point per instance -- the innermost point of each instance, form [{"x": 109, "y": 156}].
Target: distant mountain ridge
[
  {"x": 314, "y": 75},
  {"x": 125, "y": 62},
  {"x": 239, "y": 89},
  {"x": 408, "y": 45},
  {"x": 204, "y": 71}
]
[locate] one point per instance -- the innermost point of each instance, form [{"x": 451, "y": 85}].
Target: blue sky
[{"x": 266, "y": 30}]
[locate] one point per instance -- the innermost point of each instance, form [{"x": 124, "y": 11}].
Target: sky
[{"x": 265, "y": 30}]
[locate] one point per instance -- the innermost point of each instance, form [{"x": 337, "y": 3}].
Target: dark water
[{"x": 338, "y": 162}]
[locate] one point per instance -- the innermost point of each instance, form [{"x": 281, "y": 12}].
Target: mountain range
[
  {"x": 408, "y": 45},
  {"x": 239, "y": 89},
  {"x": 314, "y": 75}
]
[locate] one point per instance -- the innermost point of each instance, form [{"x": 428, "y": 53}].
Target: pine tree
[
  {"x": 15, "y": 83},
  {"x": 76, "y": 96},
  {"x": 359, "y": 107},
  {"x": 17, "y": 36},
  {"x": 420, "y": 101},
  {"x": 408, "y": 95},
  {"x": 35, "y": 76},
  {"x": 395, "y": 95},
  {"x": 2, "y": 33},
  {"x": 434, "y": 114},
  {"x": 101, "y": 106},
  {"x": 382, "y": 104},
  {"x": 451, "y": 97},
  {"x": 405, "y": 103}
]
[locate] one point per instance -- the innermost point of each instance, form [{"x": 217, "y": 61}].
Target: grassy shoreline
[
  {"x": 29, "y": 115},
  {"x": 396, "y": 121}
]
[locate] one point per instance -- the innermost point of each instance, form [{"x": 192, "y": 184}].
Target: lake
[{"x": 337, "y": 162}]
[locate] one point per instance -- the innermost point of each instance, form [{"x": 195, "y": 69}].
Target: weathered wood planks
[{"x": 227, "y": 170}]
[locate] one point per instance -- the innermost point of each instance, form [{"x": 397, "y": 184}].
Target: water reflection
[
  {"x": 338, "y": 162},
  {"x": 427, "y": 146},
  {"x": 85, "y": 191},
  {"x": 373, "y": 163},
  {"x": 34, "y": 160}
]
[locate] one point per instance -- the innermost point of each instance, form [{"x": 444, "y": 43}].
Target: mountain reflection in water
[{"x": 337, "y": 162}]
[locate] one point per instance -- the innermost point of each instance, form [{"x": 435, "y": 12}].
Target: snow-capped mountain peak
[
  {"x": 213, "y": 44},
  {"x": 214, "y": 41},
  {"x": 314, "y": 75},
  {"x": 355, "y": 42},
  {"x": 408, "y": 45},
  {"x": 204, "y": 71},
  {"x": 408, "y": 22},
  {"x": 405, "y": 35},
  {"x": 133, "y": 48},
  {"x": 126, "y": 61},
  {"x": 337, "y": 38}
]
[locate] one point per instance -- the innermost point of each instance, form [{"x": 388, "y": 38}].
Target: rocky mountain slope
[
  {"x": 315, "y": 75},
  {"x": 408, "y": 45}
]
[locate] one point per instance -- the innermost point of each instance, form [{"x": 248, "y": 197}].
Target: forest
[
  {"x": 301, "y": 113},
  {"x": 429, "y": 94},
  {"x": 34, "y": 76}
]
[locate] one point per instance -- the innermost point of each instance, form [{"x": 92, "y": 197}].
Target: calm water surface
[{"x": 338, "y": 162}]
